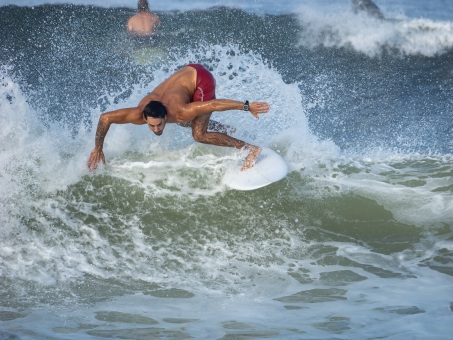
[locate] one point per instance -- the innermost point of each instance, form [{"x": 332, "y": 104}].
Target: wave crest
[{"x": 373, "y": 36}]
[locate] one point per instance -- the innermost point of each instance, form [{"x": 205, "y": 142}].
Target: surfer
[
  {"x": 144, "y": 22},
  {"x": 187, "y": 98}
]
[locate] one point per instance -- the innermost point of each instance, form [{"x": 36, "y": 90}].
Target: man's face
[{"x": 156, "y": 125}]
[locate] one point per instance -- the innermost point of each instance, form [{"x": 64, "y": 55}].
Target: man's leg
[
  {"x": 214, "y": 125},
  {"x": 200, "y": 134}
]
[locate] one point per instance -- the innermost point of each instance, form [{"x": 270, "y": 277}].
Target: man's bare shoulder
[
  {"x": 185, "y": 71},
  {"x": 133, "y": 115},
  {"x": 154, "y": 17},
  {"x": 136, "y": 116},
  {"x": 133, "y": 19},
  {"x": 143, "y": 23},
  {"x": 174, "y": 92},
  {"x": 186, "y": 77},
  {"x": 182, "y": 81}
]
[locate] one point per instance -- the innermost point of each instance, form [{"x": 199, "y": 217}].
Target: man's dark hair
[
  {"x": 155, "y": 109},
  {"x": 143, "y": 6}
]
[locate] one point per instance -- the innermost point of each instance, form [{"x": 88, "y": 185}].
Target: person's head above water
[
  {"x": 155, "y": 115},
  {"x": 143, "y": 6}
]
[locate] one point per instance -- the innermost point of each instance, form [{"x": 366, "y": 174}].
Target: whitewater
[{"x": 357, "y": 240}]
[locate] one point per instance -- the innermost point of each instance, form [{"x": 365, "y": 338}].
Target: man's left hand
[{"x": 257, "y": 108}]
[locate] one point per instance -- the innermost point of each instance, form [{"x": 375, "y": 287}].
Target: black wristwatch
[{"x": 246, "y": 105}]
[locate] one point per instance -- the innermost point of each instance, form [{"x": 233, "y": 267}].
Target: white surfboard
[{"x": 269, "y": 168}]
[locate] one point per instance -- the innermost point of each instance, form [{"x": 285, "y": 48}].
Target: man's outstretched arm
[
  {"x": 195, "y": 109},
  {"x": 122, "y": 116}
]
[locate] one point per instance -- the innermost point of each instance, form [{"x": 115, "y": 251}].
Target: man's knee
[{"x": 199, "y": 136}]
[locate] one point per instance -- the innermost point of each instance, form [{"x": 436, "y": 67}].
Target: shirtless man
[
  {"x": 145, "y": 22},
  {"x": 188, "y": 98}
]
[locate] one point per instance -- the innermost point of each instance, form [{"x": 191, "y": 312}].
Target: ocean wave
[{"x": 374, "y": 36}]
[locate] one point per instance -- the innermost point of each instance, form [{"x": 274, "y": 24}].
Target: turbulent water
[{"x": 355, "y": 243}]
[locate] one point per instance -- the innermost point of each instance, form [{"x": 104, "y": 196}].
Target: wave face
[
  {"x": 356, "y": 242},
  {"x": 374, "y": 36}
]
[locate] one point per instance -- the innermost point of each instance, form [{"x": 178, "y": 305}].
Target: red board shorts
[{"x": 205, "y": 84}]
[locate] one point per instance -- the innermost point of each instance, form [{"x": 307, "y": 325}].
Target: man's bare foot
[{"x": 251, "y": 157}]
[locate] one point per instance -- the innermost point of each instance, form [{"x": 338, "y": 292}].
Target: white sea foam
[
  {"x": 133, "y": 150},
  {"x": 373, "y": 36},
  {"x": 53, "y": 237},
  {"x": 412, "y": 196}
]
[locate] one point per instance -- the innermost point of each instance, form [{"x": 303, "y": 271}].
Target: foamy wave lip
[{"x": 373, "y": 36}]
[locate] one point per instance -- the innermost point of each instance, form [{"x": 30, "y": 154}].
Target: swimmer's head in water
[{"x": 143, "y": 6}]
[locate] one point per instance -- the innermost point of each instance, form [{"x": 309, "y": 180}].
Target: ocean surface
[{"x": 355, "y": 243}]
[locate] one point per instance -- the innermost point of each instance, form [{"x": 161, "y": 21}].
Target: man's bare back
[
  {"x": 145, "y": 22},
  {"x": 172, "y": 102},
  {"x": 175, "y": 93}
]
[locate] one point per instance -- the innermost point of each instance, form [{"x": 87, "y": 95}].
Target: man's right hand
[{"x": 96, "y": 156}]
